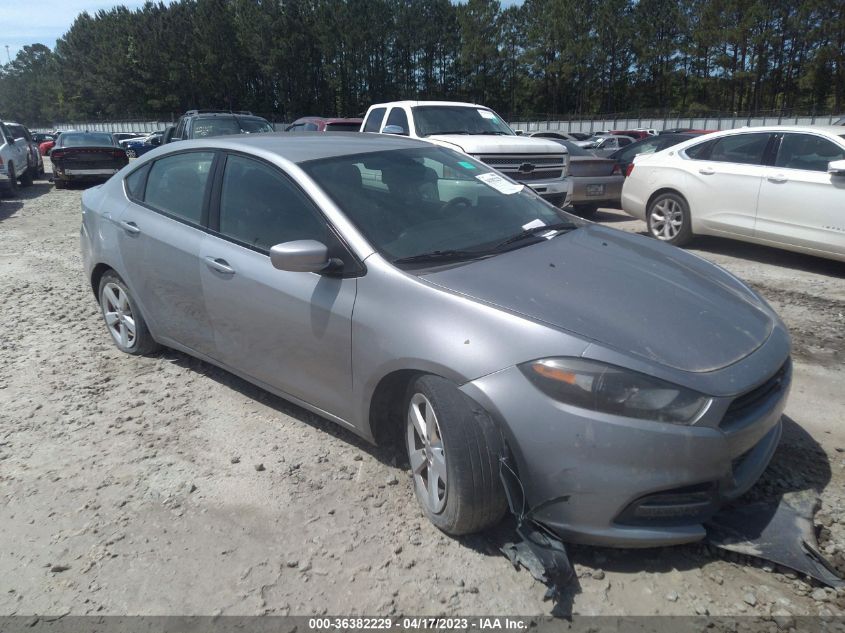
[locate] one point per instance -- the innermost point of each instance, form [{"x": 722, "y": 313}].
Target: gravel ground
[{"x": 162, "y": 485}]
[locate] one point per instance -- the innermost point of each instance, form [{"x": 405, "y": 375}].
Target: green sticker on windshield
[{"x": 466, "y": 165}]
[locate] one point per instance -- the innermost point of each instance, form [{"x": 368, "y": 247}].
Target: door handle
[
  {"x": 776, "y": 178},
  {"x": 130, "y": 227},
  {"x": 707, "y": 171},
  {"x": 220, "y": 265}
]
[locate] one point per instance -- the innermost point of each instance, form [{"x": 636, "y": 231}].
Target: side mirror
[
  {"x": 302, "y": 256},
  {"x": 394, "y": 129},
  {"x": 836, "y": 168},
  {"x": 168, "y": 134},
  {"x": 519, "y": 132}
]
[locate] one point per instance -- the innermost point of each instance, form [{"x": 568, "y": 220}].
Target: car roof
[
  {"x": 329, "y": 119},
  {"x": 429, "y": 103},
  {"x": 299, "y": 147},
  {"x": 834, "y": 130}
]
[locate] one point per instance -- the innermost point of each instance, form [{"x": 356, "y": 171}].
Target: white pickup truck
[
  {"x": 478, "y": 131},
  {"x": 13, "y": 163}
]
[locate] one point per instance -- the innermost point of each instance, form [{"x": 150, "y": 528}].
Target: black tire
[
  {"x": 41, "y": 169},
  {"x": 669, "y": 209},
  {"x": 474, "y": 496},
  {"x": 142, "y": 342},
  {"x": 585, "y": 210},
  {"x": 60, "y": 184},
  {"x": 27, "y": 178}
]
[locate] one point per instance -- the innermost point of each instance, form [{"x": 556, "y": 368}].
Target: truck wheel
[{"x": 12, "y": 185}]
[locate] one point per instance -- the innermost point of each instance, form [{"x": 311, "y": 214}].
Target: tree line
[{"x": 287, "y": 58}]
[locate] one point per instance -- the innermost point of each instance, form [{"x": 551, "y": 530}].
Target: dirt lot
[{"x": 163, "y": 485}]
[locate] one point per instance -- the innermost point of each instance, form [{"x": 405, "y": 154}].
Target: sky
[{"x": 25, "y": 22}]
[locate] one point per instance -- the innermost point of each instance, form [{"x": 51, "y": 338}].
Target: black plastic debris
[
  {"x": 539, "y": 551},
  {"x": 781, "y": 533}
]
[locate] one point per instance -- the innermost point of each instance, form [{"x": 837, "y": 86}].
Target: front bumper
[
  {"x": 606, "y": 480},
  {"x": 559, "y": 190}
]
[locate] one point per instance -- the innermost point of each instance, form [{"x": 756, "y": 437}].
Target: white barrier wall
[{"x": 700, "y": 123}]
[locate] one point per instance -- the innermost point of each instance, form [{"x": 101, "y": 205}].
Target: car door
[
  {"x": 801, "y": 204},
  {"x": 160, "y": 246},
  {"x": 723, "y": 181},
  {"x": 289, "y": 330}
]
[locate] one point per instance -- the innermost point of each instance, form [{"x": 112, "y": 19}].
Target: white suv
[
  {"x": 780, "y": 186},
  {"x": 478, "y": 131},
  {"x": 13, "y": 163}
]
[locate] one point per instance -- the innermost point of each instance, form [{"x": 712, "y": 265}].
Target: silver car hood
[{"x": 623, "y": 291}]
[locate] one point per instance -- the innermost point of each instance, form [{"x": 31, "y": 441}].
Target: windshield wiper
[
  {"x": 535, "y": 231},
  {"x": 446, "y": 255},
  {"x": 447, "y": 132}
]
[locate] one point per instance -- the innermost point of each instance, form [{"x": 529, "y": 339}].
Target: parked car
[
  {"x": 625, "y": 156},
  {"x": 580, "y": 136},
  {"x": 46, "y": 146},
  {"x": 40, "y": 137},
  {"x": 86, "y": 156},
  {"x": 125, "y": 136},
  {"x": 596, "y": 182},
  {"x": 637, "y": 135},
  {"x": 557, "y": 136},
  {"x": 487, "y": 330},
  {"x": 139, "y": 146},
  {"x": 477, "y": 131},
  {"x": 781, "y": 186},
  {"x": 33, "y": 157},
  {"x": 13, "y": 163},
  {"x": 196, "y": 124},
  {"x": 840, "y": 121},
  {"x": 686, "y": 130},
  {"x": 604, "y": 146},
  {"x": 324, "y": 124}
]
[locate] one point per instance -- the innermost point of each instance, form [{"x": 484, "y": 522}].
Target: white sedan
[{"x": 779, "y": 186}]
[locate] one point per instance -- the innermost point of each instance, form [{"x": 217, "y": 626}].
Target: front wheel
[
  {"x": 453, "y": 450},
  {"x": 27, "y": 177},
  {"x": 123, "y": 318},
  {"x": 585, "y": 210},
  {"x": 668, "y": 219},
  {"x": 12, "y": 185}
]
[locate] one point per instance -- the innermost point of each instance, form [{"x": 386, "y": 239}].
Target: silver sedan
[{"x": 619, "y": 387}]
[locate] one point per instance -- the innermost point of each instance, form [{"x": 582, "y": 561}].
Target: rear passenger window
[
  {"x": 746, "y": 149},
  {"x": 176, "y": 184},
  {"x": 808, "y": 152},
  {"x": 135, "y": 183},
  {"x": 261, "y": 208},
  {"x": 700, "y": 151},
  {"x": 398, "y": 117},
  {"x": 374, "y": 120}
]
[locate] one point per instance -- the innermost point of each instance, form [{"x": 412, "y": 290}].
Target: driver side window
[{"x": 260, "y": 208}]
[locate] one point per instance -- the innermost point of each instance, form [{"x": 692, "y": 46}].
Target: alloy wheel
[
  {"x": 427, "y": 453},
  {"x": 667, "y": 219},
  {"x": 117, "y": 311}
]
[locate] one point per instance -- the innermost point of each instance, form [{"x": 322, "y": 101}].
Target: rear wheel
[
  {"x": 668, "y": 219},
  {"x": 60, "y": 184},
  {"x": 123, "y": 318},
  {"x": 453, "y": 450},
  {"x": 12, "y": 185}
]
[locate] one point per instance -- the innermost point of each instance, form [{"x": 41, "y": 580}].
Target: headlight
[{"x": 599, "y": 387}]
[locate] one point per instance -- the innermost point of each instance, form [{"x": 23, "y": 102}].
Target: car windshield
[
  {"x": 458, "y": 120},
  {"x": 86, "y": 139},
  {"x": 596, "y": 139},
  {"x": 414, "y": 203},
  {"x": 254, "y": 125}
]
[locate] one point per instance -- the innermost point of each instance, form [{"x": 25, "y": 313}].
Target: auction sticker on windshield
[
  {"x": 499, "y": 184},
  {"x": 486, "y": 114}
]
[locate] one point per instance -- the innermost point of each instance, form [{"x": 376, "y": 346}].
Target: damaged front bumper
[{"x": 606, "y": 480}]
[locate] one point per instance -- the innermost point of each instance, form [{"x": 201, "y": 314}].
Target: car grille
[
  {"x": 527, "y": 167},
  {"x": 744, "y": 404}
]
